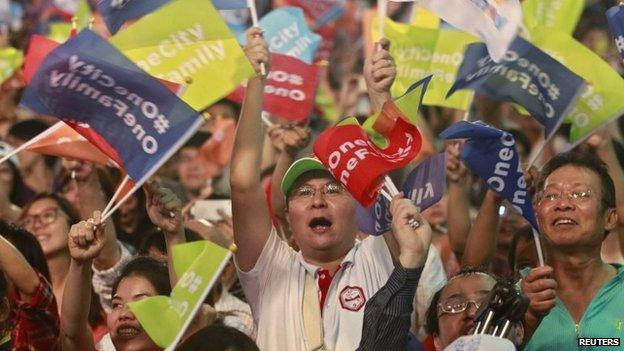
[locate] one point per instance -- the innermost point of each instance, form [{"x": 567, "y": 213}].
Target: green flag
[
  {"x": 560, "y": 15},
  {"x": 408, "y": 103},
  {"x": 419, "y": 52},
  {"x": 602, "y": 100},
  {"x": 187, "y": 42},
  {"x": 164, "y": 318},
  {"x": 10, "y": 60}
]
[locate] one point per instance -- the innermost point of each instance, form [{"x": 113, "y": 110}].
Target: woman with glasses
[{"x": 49, "y": 217}]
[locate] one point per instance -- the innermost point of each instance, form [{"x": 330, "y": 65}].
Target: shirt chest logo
[{"x": 352, "y": 298}]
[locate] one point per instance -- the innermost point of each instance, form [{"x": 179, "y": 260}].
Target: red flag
[
  {"x": 289, "y": 90},
  {"x": 357, "y": 163},
  {"x": 63, "y": 141},
  {"x": 38, "y": 48}
]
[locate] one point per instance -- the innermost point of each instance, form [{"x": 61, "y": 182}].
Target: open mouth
[
  {"x": 320, "y": 224},
  {"x": 128, "y": 332},
  {"x": 563, "y": 222}
]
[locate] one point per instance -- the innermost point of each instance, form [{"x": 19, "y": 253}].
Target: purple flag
[{"x": 425, "y": 186}]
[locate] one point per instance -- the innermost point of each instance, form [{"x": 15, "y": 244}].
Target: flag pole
[
  {"x": 254, "y": 18},
  {"x": 382, "y": 8},
  {"x": 117, "y": 192},
  {"x": 25, "y": 145},
  {"x": 538, "y": 247},
  {"x": 539, "y": 153},
  {"x": 106, "y": 215}
]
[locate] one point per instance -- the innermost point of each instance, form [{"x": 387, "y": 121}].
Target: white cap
[{"x": 480, "y": 342}]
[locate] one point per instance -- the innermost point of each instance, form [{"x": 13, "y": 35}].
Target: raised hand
[
  {"x": 289, "y": 138},
  {"x": 379, "y": 73},
  {"x": 455, "y": 168},
  {"x": 411, "y": 231},
  {"x": 257, "y": 50},
  {"x": 86, "y": 239},
  {"x": 164, "y": 208}
]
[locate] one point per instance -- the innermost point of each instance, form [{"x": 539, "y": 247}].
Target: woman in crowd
[{"x": 48, "y": 217}]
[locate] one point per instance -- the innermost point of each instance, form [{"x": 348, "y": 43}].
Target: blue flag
[
  {"x": 526, "y": 75},
  {"x": 136, "y": 120},
  {"x": 230, "y": 4},
  {"x": 615, "y": 15},
  {"x": 491, "y": 153},
  {"x": 425, "y": 186},
  {"x": 287, "y": 33},
  {"x": 118, "y": 12}
]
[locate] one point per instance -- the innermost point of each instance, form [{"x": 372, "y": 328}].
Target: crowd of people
[{"x": 303, "y": 275}]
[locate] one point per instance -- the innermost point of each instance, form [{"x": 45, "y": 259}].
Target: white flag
[{"x": 494, "y": 21}]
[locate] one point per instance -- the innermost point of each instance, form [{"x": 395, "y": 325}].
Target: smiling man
[
  {"x": 576, "y": 208},
  {"x": 313, "y": 299}
]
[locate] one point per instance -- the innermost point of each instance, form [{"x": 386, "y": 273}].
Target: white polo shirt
[{"x": 274, "y": 290}]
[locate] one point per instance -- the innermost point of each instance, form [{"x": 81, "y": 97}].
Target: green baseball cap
[{"x": 298, "y": 168}]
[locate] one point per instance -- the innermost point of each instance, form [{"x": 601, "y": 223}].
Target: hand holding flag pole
[{"x": 254, "y": 18}]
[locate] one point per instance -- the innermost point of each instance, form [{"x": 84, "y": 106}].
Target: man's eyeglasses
[
  {"x": 48, "y": 216},
  {"x": 548, "y": 197},
  {"x": 308, "y": 191},
  {"x": 459, "y": 304}
]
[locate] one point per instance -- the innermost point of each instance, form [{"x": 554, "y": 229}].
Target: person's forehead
[
  {"x": 134, "y": 285},
  {"x": 468, "y": 285},
  {"x": 42, "y": 204},
  {"x": 571, "y": 175}
]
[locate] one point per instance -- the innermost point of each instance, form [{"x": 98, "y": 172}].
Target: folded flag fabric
[
  {"x": 615, "y": 15},
  {"x": 491, "y": 153},
  {"x": 118, "y": 12}
]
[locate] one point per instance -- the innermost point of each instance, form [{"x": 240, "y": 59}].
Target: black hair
[
  {"x": 62, "y": 202},
  {"x": 218, "y": 337},
  {"x": 585, "y": 160},
  {"x": 27, "y": 245},
  {"x": 149, "y": 268},
  {"x": 525, "y": 232},
  {"x": 28, "y": 129},
  {"x": 431, "y": 316},
  {"x": 156, "y": 238},
  {"x": 16, "y": 195}
]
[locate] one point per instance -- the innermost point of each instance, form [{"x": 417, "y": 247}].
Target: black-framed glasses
[{"x": 48, "y": 216}]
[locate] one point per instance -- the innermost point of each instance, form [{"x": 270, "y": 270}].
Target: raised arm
[
  {"x": 17, "y": 270},
  {"x": 458, "y": 200},
  {"x": 86, "y": 240},
  {"x": 252, "y": 223},
  {"x": 481, "y": 243},
  {"x": 603, "y": 144},
  {"x": 92, "y": 198},
  {"x": 165, "y": 211},
  {"x": 387, "y": 315},
  {"x": 288, "y": 140}
]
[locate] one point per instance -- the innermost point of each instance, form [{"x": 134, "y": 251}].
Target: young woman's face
[
  {"x": 125, "y": 330},
  {"x": 49, "y": 224}
]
